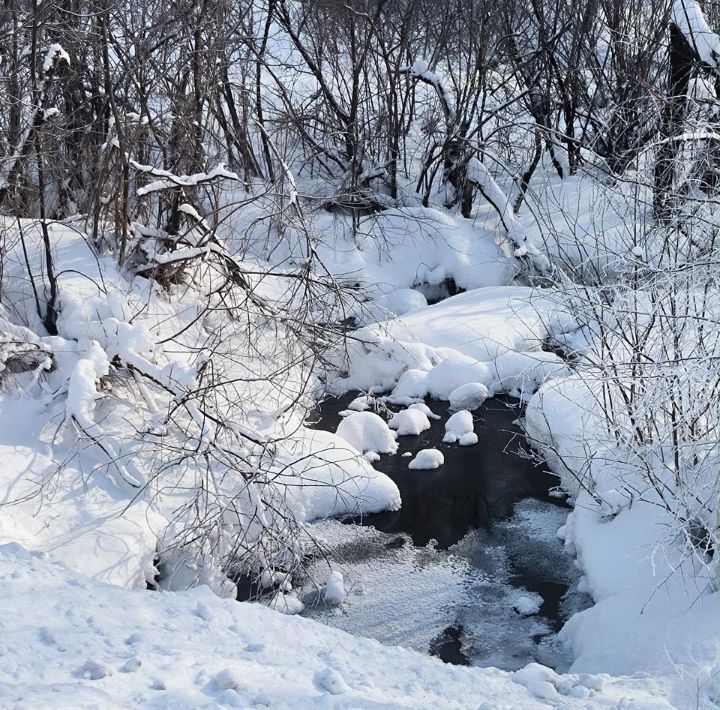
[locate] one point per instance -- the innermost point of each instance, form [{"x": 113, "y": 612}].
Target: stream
[{"x": 470, "y": 569}]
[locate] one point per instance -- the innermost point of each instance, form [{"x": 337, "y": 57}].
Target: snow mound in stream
[
  {"x": 469, "y": 396},
  {"x": 459, "y": 428},
  {"x": 427, "y": 459},
  {"x": 409, "y": 422},
  {"x": 367, "y": 431}
]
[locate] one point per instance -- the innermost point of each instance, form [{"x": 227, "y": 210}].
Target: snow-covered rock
[
  {"x": 334, "y": 592},
  {"x": 409, "y": 422},
  {"x": 469, "y": 438},
  {"x": 427, "y": 459},
  {"x": 458, "y": 425},
  {"x": 361, "y": 403},
  {"x": 469, "y": 396},
  {"x": 366, "y": 431}
]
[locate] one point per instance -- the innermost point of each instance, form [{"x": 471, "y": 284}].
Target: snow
[
  {"x": 55, "y": 52},
  {"x": 71, "y": 440},
  {"x": 468, "y": 396},
  {"x": 82, "y": 385},
  {"x": 468, "y": 439},
  {"x": 489, "y": 336},
  {"x": 395, "y": 265},
  {"x": 334, "y": 592},
  {"x": 361, "y": 404},
  {"x": 286, "y": 604},
  {"x": 395, "y": 303},
  {"x": 169, "y": 180},
  {"x": 494, "y": 337},
  {"x": 422, "y": 407},
  {"x": 427, "y": 459},
  {"x": 409, "y": 422},
  {"x": 65, "y": 643},
  {"x": 637, "y": 580},
  {"x": 366, "y": 431},
  {"x": 458, "y": 425},
  {"x": 527, "y": 604},
  {"x": 328, "y": 476}
]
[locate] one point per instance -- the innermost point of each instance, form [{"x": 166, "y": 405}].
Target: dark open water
[{"x": 468, "y": 504}]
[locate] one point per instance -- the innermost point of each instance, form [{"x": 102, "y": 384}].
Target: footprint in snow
[
  {"x": 92, "y": 670},
  {"x": 331, "y": 681}
]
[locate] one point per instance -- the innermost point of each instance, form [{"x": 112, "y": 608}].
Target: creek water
[{"x": 473, "y": 543}]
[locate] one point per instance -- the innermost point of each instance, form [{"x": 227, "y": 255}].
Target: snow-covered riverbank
[{"x": 652, "y": 615}]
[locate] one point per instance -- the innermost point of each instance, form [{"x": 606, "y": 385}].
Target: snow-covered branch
[
  {"x": 169, "y": 180},
  {"x": 690, "y": 20},
  {"x": 421, "y": 71}
]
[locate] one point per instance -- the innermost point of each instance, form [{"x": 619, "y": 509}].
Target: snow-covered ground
[
  {"x": 73, "y": 501},
  {"x": 69, "y": 641}
]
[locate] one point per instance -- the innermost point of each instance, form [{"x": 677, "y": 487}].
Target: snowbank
[
  {"x": 647, "y": 617},
  {"x": 401, "y": 248},
  {"x": 489, "y": 337},
  {"x": 328, "y": 476}
]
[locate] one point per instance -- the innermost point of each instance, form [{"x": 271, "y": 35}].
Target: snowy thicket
[{"x": 171, "y": 414}]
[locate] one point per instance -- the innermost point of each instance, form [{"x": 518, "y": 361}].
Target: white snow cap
[
  {"x": 367, "y": 431},
  {"x": 361, "y": 403},
  {"x": 335, "y": 588},
  {"x": 469, "y": 396},
  {"x": 427, "y": 459},
  {"x": 409, "y": 422},
  {"x": 460, "y": 428}
]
